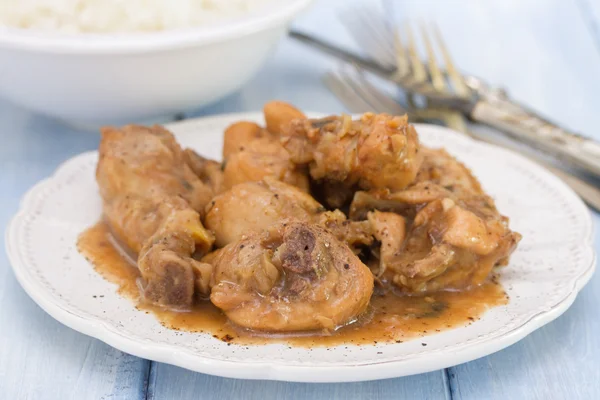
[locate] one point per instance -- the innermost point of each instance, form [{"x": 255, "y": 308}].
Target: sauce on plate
[{"x": 390, "y": 318}]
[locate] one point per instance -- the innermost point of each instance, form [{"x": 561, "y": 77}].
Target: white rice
[{"x": 111, "y": 16}]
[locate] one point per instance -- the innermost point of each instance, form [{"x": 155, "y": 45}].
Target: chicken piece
[
  {"x": 278, "y": 114},
  {"x": 252, "y": 153},
  {"x": 209, "y": 171},
  {"x": 151, "y": 201},
  {"x": 390, "y": 230},
  {"x": 375, "y": 152},
  {"x": 382, "y": 200},
  {"x": 171, "y": 277},
  {"x": 254, "y": 206},
  {"x": 147, "y": 161},
  {"x": 333, "y": 194},
  {"x": 293, "y": 277},
  {"x": 355, "y": 234},
  {"x": 237, "y": 136},
  {"x": 260, "y": 158},
  {"x": 442, "y": 169},
  {"x": 450, "y": 246},
  {"x": 457, "y": 235},
  {"x": 440, "y": 176}
]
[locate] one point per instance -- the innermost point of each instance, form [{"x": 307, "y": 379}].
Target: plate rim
[{"x": 273, "y": 370}]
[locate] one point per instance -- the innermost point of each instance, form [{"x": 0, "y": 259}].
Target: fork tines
[{"x": 397, "y": 47}]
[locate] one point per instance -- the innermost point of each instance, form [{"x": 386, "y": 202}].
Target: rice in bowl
[{"x": 114, "y": 16}]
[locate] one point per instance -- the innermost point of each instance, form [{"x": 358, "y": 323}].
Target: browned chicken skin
[
  {"x": 450, "y": 246},
  {"x": 390, "y": 230},
  {"x": 294, "y": 276},
  {"x": 151, "y": 202},
  {"x": 252, "y": 153},
  {"x": 278, "y": 114},
  {"x": 440, "y": 176},
  {"x": 260, "y": 158},
  {"x": 209, "y": 171},
  {"x": 255, "y": 206},
  {"x": 456, "y": 234},
  {"x": 374, "y": 152},
  {"x": 239, "y": 134},
  {"x": 440, "y": 168},
  {"x": 284, "y": 263}
]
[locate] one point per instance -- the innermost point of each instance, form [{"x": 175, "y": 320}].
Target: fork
[
  {"x": 380, "y": 39},
  {"x": 359, "y": 95},
  {"x": 393, "y": 61}
]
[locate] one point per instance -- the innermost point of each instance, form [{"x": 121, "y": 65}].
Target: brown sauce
[{"x": 391, "y": 318}]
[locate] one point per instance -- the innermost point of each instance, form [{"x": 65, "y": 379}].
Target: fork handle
[
  {"x": 588, "y": 192},
  {"x": 525, "y": 126}
]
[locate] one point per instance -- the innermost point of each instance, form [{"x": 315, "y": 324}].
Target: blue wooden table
[{"x": 546, "y": 52}]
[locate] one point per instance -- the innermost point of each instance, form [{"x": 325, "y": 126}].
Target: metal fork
[
  {"x": 359, "y": 95},
  {"x": 400, "y": 63},
  {"x": 381, "y": 41},
  {"x": 384, "y": 43},
  {"x": 372, "y": 29}
]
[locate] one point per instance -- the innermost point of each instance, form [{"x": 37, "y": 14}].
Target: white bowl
[{"x": 92, "y": 80}]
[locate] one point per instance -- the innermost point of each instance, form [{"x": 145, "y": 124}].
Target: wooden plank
[
  {"x": 175, "y": 383},
  {"x": 558, "y": 361},
  {"x": 40, "y": 358}
]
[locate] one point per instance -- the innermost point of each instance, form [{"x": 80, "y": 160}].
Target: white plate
[{"x": 552, "y": 263}]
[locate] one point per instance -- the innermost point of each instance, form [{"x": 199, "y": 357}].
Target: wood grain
[
  {"x": 39, "y": 357},
  {"x": 544, "y": 51},
  {"x": 559, "y": 361},
  {"x": 177, "y": 383}
]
